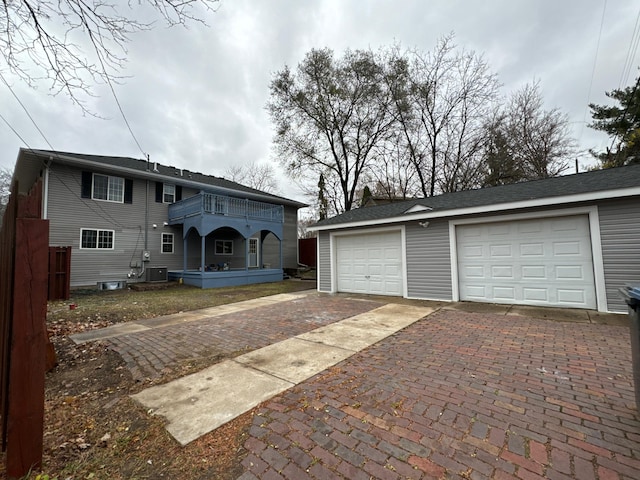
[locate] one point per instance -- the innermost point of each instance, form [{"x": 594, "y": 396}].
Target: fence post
[{"x": 25, "y": 419}]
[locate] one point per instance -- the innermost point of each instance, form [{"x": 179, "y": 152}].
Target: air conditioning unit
[{"x": 157, "y": 274}]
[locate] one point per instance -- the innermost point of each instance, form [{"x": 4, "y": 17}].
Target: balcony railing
[{"x": 208, "y": 203}]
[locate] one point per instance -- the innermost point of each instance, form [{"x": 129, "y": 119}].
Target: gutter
[{"x": 164, "y": 178}]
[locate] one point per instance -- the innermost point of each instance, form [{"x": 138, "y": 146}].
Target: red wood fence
[
  {"x": 59, "y": 273},
  {"x": 24, "y": 265},
  {"x": 307, "y": 251}
]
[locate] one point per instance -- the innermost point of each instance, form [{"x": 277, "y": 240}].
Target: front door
[{"x": 253, "y": 253}]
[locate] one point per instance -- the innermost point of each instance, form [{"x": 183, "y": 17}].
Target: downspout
[{"x": 45, "y": 190}]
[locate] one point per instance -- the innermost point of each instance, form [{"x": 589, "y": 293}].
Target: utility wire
[
  {"x": 631, "y": 53},
  {"x": 593, "y": 70},
  {"x": 25, "y": 111},
  {"x": 102, "y": 213},
  {"x": 115, "y": 97}
]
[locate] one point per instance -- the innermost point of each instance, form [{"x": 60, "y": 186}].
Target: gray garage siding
[
  {"x": 620, "y": 237},
  {"x": 428, "y": 261},
  {"x": 324, "y": 262}
]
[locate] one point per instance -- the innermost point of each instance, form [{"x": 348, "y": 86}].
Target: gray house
[
  {"x": 130, "y": 220},
  {"x": 568, "y": 241}
]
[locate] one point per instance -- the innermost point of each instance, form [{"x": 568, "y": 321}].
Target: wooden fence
[{"x": 24, "y": 266}]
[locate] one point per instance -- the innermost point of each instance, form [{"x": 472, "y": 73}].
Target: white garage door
[
  {"x": 370, "y": 263},
  {"x": 529, "y": 262}
]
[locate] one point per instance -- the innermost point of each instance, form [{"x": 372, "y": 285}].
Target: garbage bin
[{"x": 632, "y": 297}]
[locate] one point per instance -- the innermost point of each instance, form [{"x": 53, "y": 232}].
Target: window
[
  {"x": 168, "y": 193},
  {"x": 96, "y": 239},
  {"x": 167, "y": 243},
  {"x": 108, "y": 188},
  {"x": 224, "y": 247}
]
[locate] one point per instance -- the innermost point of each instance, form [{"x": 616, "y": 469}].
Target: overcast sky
[{"x": 195, "y": 98}]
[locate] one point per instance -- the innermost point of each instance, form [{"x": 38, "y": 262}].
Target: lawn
[{"x": 93, "y": 430}]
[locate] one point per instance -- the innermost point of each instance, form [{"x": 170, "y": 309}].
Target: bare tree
[
  {"x": 5, "y": 190},
  {"x": 442, "y": 99},
  {"x": 74, "y": 44},
  {"x": 330, "y": 114},
  {"x": 526, "y": 141},
  {"x": 261, "y": 176}
]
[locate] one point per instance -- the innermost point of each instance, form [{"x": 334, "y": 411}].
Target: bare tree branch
[{"x": 55, "y": 41}]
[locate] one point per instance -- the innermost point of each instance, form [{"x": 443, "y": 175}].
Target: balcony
[{"x": 208, "y": 211}]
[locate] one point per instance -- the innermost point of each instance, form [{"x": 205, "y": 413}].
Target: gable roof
[
  {"x": 157, "y": 172},
  {"x": 609, "y": 183}
]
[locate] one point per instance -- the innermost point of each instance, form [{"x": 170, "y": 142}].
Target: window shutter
[
  {"x": 178, "y": 193},
  {"x": 85, "y": 189},
  {"x": 159, "y": 187},
  {"x": 128, "y": 190}
]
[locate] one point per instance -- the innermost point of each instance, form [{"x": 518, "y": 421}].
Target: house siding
[
  {"x": 289, "y": 239},
  {"x": 620, "y": 238},
  {"x": 69, "y": 213},
  {"x": 324, "y": 262},
  {"x": 428, "y": 261}
]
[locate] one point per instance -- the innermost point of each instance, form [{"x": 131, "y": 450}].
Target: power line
[
  {"x": 25, "y": 111},
  {"x": 593, "y": 70},
  {"x": 115, "y": 97},
  {"x": 631, "y": 53}
]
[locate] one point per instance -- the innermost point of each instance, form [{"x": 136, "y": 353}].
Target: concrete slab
[
  {"x": 201, "y": 402},
  {"x": 294, "y": 360},
  {"x": 107, "y": 332},
  {"x": 392, "y": 317},
  {"x": 361, "y": 331}
]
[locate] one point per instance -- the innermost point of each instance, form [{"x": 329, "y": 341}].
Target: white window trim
[
  {"x": 223, "y": 242},
  {"x": 98, "y": 230},
  {"x": 109, "y": 177},
  {"x": 162, "y": 243},
  {"x": 164, "y": 186}
]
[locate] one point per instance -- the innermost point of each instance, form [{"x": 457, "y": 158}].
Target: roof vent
[{"x": 155, "y": 166}]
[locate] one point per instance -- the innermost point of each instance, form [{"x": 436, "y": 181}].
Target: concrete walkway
[{"x": 199, "y": 403}]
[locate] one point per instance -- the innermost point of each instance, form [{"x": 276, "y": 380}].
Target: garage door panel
[
  {"x": 534, "y": 272},
  {"x": 571, "y": 296},
  {"x": 531, "y": 249},
  {"x": 566, "y": 248},
  {"x": 502, "y": 272},
  {"x": 476, "y": 290},
  {"x": 500, "y": 251},
  {"x": 504, "y": 293},
  {"x": 535, "y": 294},
  {"x": 536, "y": 262},
  {"x": 570, "y": 272},
  {"x": 370, "y": 263}
]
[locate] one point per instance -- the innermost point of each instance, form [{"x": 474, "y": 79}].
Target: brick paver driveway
[{"x": 461, "y": 395}]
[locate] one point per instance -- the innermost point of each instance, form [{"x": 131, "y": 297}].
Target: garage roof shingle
[{"x": 581, "y": 183}]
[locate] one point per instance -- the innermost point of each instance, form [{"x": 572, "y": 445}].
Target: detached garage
[{"x": 568, "y": 242}]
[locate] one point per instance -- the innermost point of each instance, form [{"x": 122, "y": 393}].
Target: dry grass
[{"x": 93, "y": 429}]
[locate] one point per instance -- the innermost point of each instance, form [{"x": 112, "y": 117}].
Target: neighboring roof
[
  {"x": 159, "y": 172},
  {"x": 550, "y": 191}
]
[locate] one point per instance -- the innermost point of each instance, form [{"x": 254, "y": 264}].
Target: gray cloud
[{"x": 195, "y": 97}]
